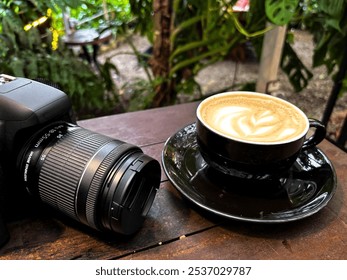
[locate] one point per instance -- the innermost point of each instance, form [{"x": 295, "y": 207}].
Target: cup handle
[{"x": 318, "y": 135}]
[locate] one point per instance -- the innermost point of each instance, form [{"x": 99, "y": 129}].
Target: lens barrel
[{"x": 99, "y": 181}]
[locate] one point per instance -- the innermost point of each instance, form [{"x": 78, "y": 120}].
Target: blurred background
[{"x": 113, "y": 56}]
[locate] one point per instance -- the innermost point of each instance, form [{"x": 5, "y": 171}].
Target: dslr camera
[{"x": 104, "y": 183}]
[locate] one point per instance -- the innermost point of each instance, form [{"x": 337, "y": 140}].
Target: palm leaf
[
  {"x": 185, "y": 24},
  {"x": 195, "y": 59},
  {"x": 191, "y": 46}
]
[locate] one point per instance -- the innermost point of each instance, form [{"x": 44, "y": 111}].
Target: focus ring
[{"x": 98, "y": 181}]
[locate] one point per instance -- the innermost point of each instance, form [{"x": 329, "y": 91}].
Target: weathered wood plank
[
  {"x": 144, "y": 127},
  {"x": 317, "y": 237},
  {"x": 50, "y": 237}
]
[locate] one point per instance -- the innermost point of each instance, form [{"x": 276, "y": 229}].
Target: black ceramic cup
[{"x": 253, "y": 135}]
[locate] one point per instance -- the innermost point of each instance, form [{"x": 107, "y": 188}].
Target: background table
[
  {"x": 85, "y": 37},
  {"x": 174, "y": 228}
]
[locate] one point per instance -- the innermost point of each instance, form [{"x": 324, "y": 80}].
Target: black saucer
[{"x": 304, "y": 190}]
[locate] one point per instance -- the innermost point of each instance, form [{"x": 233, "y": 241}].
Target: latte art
[
  {"x": 253, "y": 117},
  {"x": 242, "y": 122}
]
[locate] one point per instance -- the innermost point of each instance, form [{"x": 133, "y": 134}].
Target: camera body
[
  {"x": 26, "y": 104},
  {"x": 99, "y": 181}
]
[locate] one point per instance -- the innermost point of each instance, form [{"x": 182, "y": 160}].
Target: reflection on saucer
[{"x": 303, "y": 191}]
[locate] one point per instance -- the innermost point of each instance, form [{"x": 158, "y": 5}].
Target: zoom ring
[{"x": 64, "y": 166}]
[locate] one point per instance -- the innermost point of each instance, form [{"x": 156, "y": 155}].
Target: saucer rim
[{"x": 231, "y": 216}]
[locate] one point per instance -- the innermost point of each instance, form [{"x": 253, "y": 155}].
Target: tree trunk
[{"x": 164, "y": 93}]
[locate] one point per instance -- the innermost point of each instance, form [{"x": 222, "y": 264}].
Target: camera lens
[{"x": 99, "y": 181}]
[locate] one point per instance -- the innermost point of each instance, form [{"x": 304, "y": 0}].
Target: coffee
[{"x": 253, "y": 117}]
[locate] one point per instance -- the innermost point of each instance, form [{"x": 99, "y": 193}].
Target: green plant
[
  {"x": 203, "y": 32},
  {"x": 281, "y": 12},
  {"x": 142, "y": 10},
  {"x": 29, "y": 54},
  {"x": 97, "y": 14},
  {"x": 327, "y": 21}
]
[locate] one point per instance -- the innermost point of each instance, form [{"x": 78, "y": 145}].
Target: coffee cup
[{"x": 253, "y": 135}]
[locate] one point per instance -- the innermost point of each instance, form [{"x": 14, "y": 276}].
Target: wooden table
[
  {"x": 175, "y": 229},
  {"x": 85, "y": 37}
]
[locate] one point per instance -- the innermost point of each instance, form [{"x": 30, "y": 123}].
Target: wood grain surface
[{"x": 174, "y": 228}]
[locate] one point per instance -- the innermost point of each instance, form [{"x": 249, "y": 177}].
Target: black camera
[{"x": 102, "y": 182}]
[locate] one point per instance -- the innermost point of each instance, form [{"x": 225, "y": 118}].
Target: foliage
[
  {"x": 204, "y": 32},
  {"x": 29, "y": 54},
  {"x": 142, "y": 11},
  {"x": 280, "y": 12},
  {"x": 142, "y": 93},
  {"x": 211, "y": 33},
  {"x": 327, "y": 21},
  {"x": 328, "y": 24},
  {"x": 87, "y": 14}
]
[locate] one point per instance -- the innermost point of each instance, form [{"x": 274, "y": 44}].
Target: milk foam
[{"x": 253, "y": 118}]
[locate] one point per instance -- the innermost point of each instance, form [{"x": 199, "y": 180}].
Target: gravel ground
[{"x": 311, "y": 100}]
